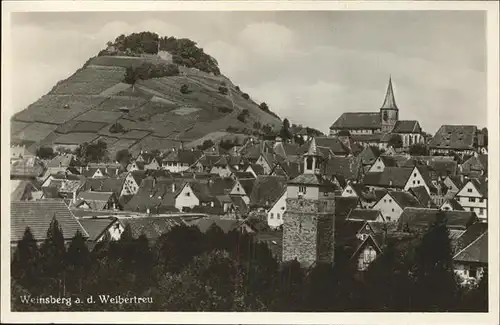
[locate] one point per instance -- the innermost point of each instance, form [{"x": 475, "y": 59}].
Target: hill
[{"x": 143, "y": 92}]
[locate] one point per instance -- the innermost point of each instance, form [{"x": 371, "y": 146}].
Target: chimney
[
  {"x": 390, "y": 183},
  {"x": 173, "y": 187}
]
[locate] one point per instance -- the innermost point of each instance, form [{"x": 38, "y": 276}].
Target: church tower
[
  {"x": 308, "y": 222},
  {"x": 389, "y": 112}
]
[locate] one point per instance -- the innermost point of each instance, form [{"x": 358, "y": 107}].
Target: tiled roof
[
  {"x": 389, "y": 100},
  {"x": 158, "y": 198},
  {"x": 364, "y": 214},
  {"x": 405, "y": 199},
  {"x": 390, "y": 177},
  {"x": 359, "y": 120},
  {"x": 343, "y": 206},
  {"x": 454, "y": 204},
  {"x": 226, "y": 225},
  {"x": 454, "y": 137},
  {"x": 347, "y": 167},
  {"x": 138, "y": 176},
  {"x": 258, "y": 169},
  {"x": 375, "y": 137},
  {"x": 481, "y": 185},
  {"x": 422, "y": 196},
  {"x": 151, "y": 227},
  {"x": 368, "y": 155},
  {"x": 70, "y": 186},
  {"x": 313, "y": 179},
  {"x": 471, "y": 233},
  {"x": 96, "y": 200},
  {"x": 183, "y": 156},
  {"x": 266, "y": 190},
  {"x": 405, "y": 126},
  {"x": 287, "y": 168},
  {"x": 243, "y": 175},
  {"x": 477, "y": 251},
  {"x": 95, "y": 227},
  {"x": 475, "y": 164},
  {"x": 37, "y": 215},
  {"x": 418, "y": 219},
  {"x": 239, "y": 203},
  {"x": 61, "y": 161},
  {"x": 332, "y": 143},
  {"x": 105, "y": 184},
  {"x": 394, "y": 160}
]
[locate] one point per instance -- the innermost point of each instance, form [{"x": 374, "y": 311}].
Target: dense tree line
[{"x": 186, "y": 270}]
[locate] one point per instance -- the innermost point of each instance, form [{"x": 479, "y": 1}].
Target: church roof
[
  {"x": 389, "y": 101},
  {"x": 359, "y": 120},
  {"x": 313, "y": 149}
]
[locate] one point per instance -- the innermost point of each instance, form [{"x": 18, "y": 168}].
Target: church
[{"x": 377, "y": 125}]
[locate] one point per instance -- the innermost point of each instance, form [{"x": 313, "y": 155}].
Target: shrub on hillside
[
  {"x": 223, "y": 90},
  {"x": 257, "y": 125},
  {"x": 242, "y": 117},
  {"x": 224, "y": 109},
  {"x": 263, "y": 106},
  {"x": 237, "y": 88},
  {"x": 185, "y": 89},
  {"x": 267, "y": 128},
  {"x": 232, "y": 129},
  {"x": 149, "y": 70},
  {"x": 117, "y": 128},
  {"x": 206, "y": 144},
  {"x": 45, "y": 153},
  {"x": 246, "y": 96}
]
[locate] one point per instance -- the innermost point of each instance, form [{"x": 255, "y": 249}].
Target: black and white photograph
[{"x": 257, "y": 161}]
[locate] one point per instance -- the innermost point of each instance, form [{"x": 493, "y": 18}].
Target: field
[
  {"x": 109, "y": 140},
  {"x": 57, "y": 109},
  {"x": 113, "y": 90},
  {"x": 100, "y": 116},
  {"x": 116, "y": 102},
  {"x": 16, "y": 126},
  {"x": 90, "y": 81},
  {"x": 80, "y": 126},
  {"x": 75, "y": 138},
  {"x": 119, "y": 145},
  {"x": 36, "y": 132},
  {"x": 152, "y": 142},
  {"x": 132, "y": 134},
  {"x": 116, "y": 61}
]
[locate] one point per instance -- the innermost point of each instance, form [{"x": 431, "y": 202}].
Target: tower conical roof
[
  {"x": 389, "y": 101},
  {"x": 313, "y": 149}
]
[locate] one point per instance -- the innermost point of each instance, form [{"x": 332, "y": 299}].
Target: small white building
[
  {"x": 474, "y": 197},
  {"x": 276, "y": 212}
]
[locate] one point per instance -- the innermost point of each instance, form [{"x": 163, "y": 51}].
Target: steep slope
[{"x": 100, "y": 102}]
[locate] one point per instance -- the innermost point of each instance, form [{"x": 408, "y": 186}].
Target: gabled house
[
  {"x": 62, "y": 163},
  {"x": 101, "y": 228},
  {"x": 97, "y": 201},
  {"x": 355, "y": 242},
  {"x": 135, "y": 166},
  {"x": 222, "y": 167},
  {"x": 475, "y": 166},
  {"x": 384, "y": 161},
  {"x": 286, "y": 168},
  {"x": 470, "y": 261},
  {"x": 100, "y": 170},
  {"x": 461, "y": 139},
  {"x": 179, "y": 160},
  {"x": 105, "y": 184},
  {"x": 132, "y": 182},
  {"x": 197, "y": 196},
  {"x": 451, "y": 205},
  {"x": 398, "y": 178},
  {"x": 155, "y": 196},
  {"x": 410, "y": 132},
  {"x": 417, "y": 220},
  {"x": 453, "y": 184},
  {"x": 393, "y": 203},
  {"x": 153, "y": 164},
  {"x": 368, "y": 156},
  {"x": 422, "y": 196},
  {"x": 255, "y": 169},
  {"x": 243, "y": 189},
  {"x": 367, "y": 196},
  {"x": 349, "y": 168},
  {"x": 267, "y": 161},
  {"x": 277, "y": 210},
  {"x": 473, "y": 196},
  {"x": 365, "y": 215}
]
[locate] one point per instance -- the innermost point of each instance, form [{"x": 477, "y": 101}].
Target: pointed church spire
[
  {"x": 389, "y": 101},
  {"x": 313, "y": 149}
]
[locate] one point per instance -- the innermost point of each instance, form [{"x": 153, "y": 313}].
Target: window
[
  {"x": 413, "y": 182},
  {"x": 469, "y": 190},
  {"x": 390, "y": 201},
  {"x": 309, "y": 162},
  {"x": 481, "y": 200},
  {"x": 471, "y": 209},
  {"x": 385, "y": 200},
  {"x": 392, "y": 210},
  {"x": 187, "y": 194},
  {"x": 282, "y": 208},
  {"x": 481, "y": 211},
  {"x": 272, "y": 215},
  {"x": 302, "y": 189},
  {"x": 472, "y": 199},
  {"x": 277, "y": 215},
  {"x": 472, "y": 272},
  {"x": 388, "y": 218},
  {"x": 414, "y": 174}
]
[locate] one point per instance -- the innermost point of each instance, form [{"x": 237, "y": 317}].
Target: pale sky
[{"x": 309, "y": 66}]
